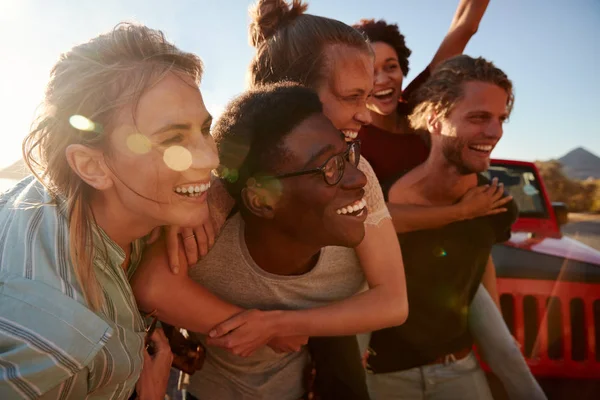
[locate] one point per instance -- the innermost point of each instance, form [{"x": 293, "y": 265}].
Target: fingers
[
  {"x": 502, "y": 201},
  {"x": 210, "y": 234},
  {"x": 190, "y": 245},
  {"x": 172, "y": 240},
  {"x": 232, "y": 323},
  {"x": 154, "y": 235},
  {"x": 202, "y": 239},
  {"x": 160, "y": 341},
  {"x": 496, "y": 211}
]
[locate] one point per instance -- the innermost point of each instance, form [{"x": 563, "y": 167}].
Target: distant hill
[
  {"x": 581, "y": 164},
  {"x": 16, "y": 171}
]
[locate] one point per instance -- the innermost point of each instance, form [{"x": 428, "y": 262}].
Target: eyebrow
[
  {"x": 319, "y": 153},
  {"x": 391, "y": 59},
  {"x": 181, "y": 127}
]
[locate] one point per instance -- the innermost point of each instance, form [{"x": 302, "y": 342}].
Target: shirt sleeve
[
  {"x": 377, "y": 208},
  {"x": 46, "y": 338}
]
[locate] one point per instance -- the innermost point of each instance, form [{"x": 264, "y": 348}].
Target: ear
[
  {"x": 89, "y": 165},
  {"x": 434, "y": 125},
  {"x": 259, "y": 200}
]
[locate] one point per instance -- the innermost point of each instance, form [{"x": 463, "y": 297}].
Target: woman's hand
[
  {"x": 245, "y": 332},
  {"x": 287, "y": 344},
  {"x": 154, "y": 378},
  {"x": 484, "y": 200}
]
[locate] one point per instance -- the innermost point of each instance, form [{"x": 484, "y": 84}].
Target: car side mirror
[{"x": 561, "y": 211}]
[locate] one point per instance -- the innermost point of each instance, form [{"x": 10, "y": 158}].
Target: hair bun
[{"x": 268, "y": 16}]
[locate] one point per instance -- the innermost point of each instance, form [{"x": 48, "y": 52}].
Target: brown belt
[{"x": 458, "y": 355}]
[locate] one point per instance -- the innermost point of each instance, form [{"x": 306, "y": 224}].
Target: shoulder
[
  {"x": 34, "y": 238},
  {"x": 373, "y": 195}
]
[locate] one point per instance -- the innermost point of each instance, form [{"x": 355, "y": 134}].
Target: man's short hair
[
  {"x": 445, "y": 87},
  {"x": 250, "y": 131}
]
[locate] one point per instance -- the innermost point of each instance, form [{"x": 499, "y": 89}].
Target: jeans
[
  {"x": 497, "y": 347},
  {"x": 499, "y": 350},
  {"x": 453, "y": 380}
]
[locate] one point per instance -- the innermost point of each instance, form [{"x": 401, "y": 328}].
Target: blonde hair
[
  {"x": 445, "y": 87},
  {"x": 94, "y": 80}
]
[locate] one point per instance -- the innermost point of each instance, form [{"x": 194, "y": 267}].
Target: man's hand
[
  {"x": 154, "y": 378},
  {"x": 485, "y": 200}
]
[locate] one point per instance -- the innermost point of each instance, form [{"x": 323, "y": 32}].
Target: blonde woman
[{"x": 122, "y": 146}]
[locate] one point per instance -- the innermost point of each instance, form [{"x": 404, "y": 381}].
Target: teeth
[
  {"x": 350, "y": 134},
  {"x": 383, "y": 92},
  {"x": 482, "y": 147},
  {"x": 193, "y": 190},
  {"x": 354, "y": 207}
]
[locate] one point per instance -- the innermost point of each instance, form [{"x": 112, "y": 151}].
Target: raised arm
[{"x": 464, "y": 25}]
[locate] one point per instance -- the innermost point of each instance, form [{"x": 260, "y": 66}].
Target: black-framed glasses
[{"x": 332, "y": 169}]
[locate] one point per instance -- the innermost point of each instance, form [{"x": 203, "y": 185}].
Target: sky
[{"x": 549, "y": 48}]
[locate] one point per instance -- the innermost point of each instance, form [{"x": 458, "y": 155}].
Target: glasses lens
[
  {"x": 354, "y": 153},
  {"x": 334, "y": 169}
]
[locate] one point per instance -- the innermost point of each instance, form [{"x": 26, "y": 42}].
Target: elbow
[
  {"x": 397, "y": 307},
  {"x": 400, "y": 312},
  {"x": 144, "y": 291}
]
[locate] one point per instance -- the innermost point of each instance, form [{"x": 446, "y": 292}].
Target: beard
[{"x": 452, "y": 147}]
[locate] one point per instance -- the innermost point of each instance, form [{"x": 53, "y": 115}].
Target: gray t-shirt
[{"x": 229, "y": 272}]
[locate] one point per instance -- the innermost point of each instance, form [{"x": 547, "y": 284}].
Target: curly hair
[
  {"x": 381, "y": 31},
  {"x": 250, "y": 131},
  {"x": 445, "y": 87}
]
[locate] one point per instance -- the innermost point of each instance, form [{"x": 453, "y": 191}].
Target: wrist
[
  {"x": 282, "y": 323},
  {"x": 461, "y": 212}
]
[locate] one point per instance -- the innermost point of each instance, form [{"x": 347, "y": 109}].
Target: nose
[
  {"x": 353, "y": 178},
  {"x": 494, "y": 129},
  {"x": 380, "y": 77},
  {"x": 363, "y": 116},
  {"x": 204, "y": 153}
]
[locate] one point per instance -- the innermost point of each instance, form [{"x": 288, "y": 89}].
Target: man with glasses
[{"x": 301, "y": 210}]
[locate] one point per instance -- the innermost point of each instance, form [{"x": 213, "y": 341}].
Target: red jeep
[{"x": 549, "y": 287}]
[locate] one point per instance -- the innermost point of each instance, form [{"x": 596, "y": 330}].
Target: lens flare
[
  {"x": 178, "y": 158},
  {"x": 84, "y": 124},
  {"x": 138, "y": 143}
]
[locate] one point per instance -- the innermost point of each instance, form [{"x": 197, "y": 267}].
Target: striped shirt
[{"x": 51, "y": 345}]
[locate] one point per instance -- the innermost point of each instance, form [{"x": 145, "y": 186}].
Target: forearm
[
  {"x": 365, "y": 312},
  {"x": 175, "y": 298},
  {"x": 464, "y": 25},
  {"x": 489, "y": 282},
  {"x": 383, "y": 305},
  {"x": 409, "y": 218},
  {"x": 468, "y": 15}
]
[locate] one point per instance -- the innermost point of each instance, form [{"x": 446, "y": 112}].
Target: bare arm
[
  {"x": 479, "y": 201},
  {"x": 489, "y": 282},
  {"x": 464, "y": 25},
  {"x": 177, "y": 299},
  {"x": 383, "y": 305},
  {"x": 408, "y": 218}
]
